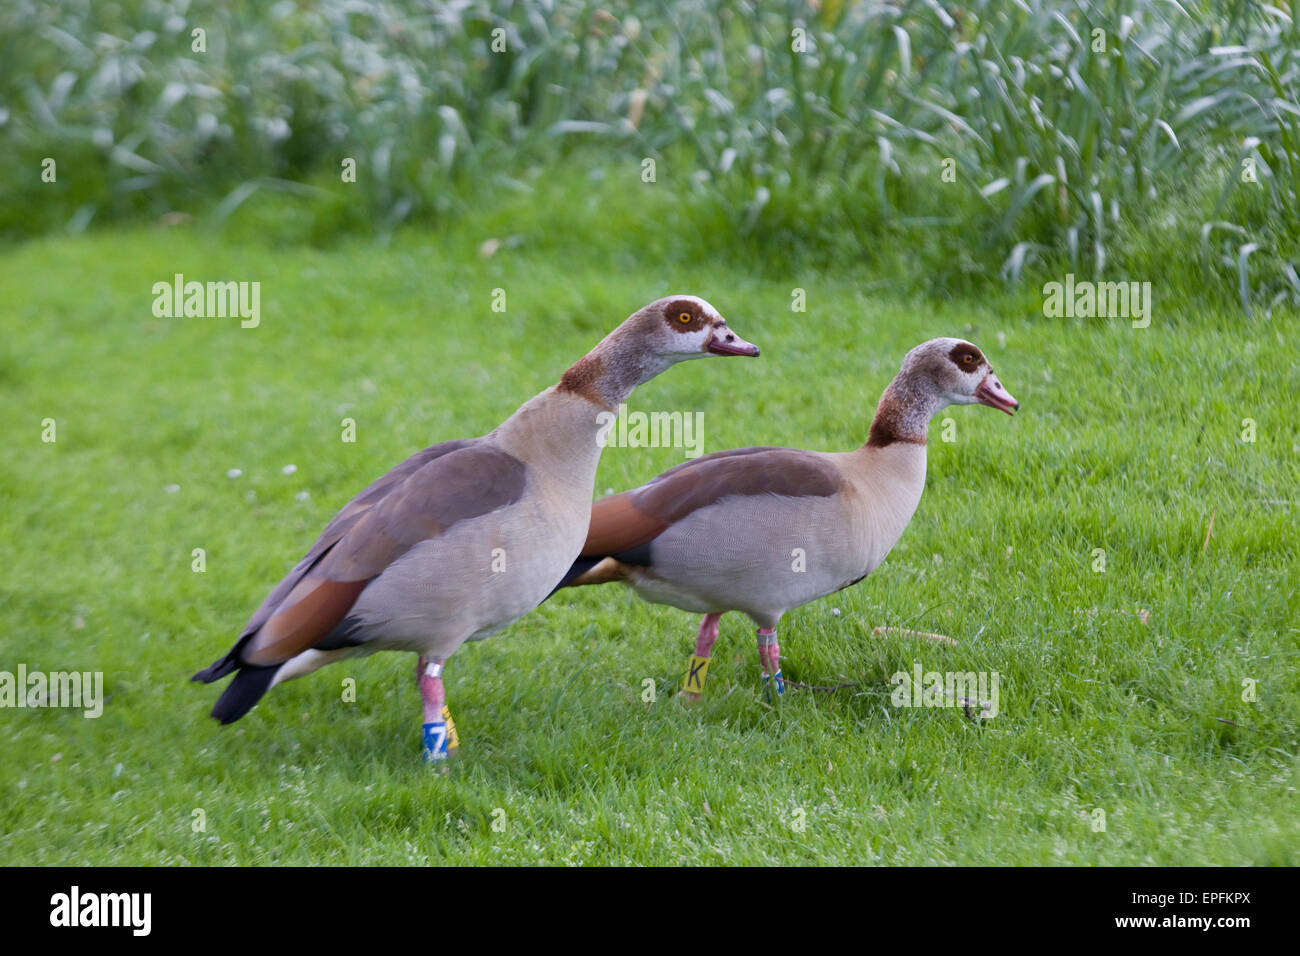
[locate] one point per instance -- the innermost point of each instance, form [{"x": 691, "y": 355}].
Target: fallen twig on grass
[
  {"x": 905, "y": 632},
  {"x": 1225, "y": 720}
]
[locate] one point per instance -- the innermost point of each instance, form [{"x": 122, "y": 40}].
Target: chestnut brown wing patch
[
  {"x": 311, "y": 611},
  {"x": 617, "y": 525}
]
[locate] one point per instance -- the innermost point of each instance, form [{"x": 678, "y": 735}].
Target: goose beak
[
  {"x": 992, "y": 393},
  {"x": 727, "y": 342}
]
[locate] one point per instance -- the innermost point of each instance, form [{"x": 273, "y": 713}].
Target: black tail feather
[
  {"x": 244, "y": 691},
  {"x": 218, "y": 669},
  {"x": 580, "y": 567}
]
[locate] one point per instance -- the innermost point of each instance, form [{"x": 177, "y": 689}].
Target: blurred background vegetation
[{"x": 1104, "y": 138}]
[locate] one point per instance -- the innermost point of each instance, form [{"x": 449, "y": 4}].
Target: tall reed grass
[{"x": 994, "y": 136}]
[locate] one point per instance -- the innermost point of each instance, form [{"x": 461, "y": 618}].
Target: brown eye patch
[
  {"x": 683, "y": 315},
  {"x": 966, "y": 357}
]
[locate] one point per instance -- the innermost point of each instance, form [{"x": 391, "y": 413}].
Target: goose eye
[{"x": 684, "y": 318}]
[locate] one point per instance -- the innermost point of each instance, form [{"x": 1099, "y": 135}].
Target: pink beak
[
  {"x": 994, "y": 395},
  {"x": 727, "y": 342}
]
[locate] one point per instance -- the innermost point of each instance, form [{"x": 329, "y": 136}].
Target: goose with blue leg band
[{"x": 462, "y": 539}]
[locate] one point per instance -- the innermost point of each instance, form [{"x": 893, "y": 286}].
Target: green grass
[{"x": 1128, "y": 440}]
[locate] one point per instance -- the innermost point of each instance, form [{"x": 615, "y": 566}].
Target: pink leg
[
  {"x": 440, "y": 740},
  {"x": 708, "y": 635},
  {"x": 432, "y": 692},
  {"x": 769, "y": 656},
  {"x": 699, "y": 666}
]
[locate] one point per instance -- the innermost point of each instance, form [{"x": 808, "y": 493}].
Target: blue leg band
[{"x": 435, "y": 740}]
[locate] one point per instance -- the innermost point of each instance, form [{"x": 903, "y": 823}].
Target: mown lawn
[{"x": 1128, "y": 440}]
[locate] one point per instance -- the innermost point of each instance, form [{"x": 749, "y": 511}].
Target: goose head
[
  {"x": 934, "y": 375},
  {"x": 683, "y": 327},
  {"x": 956, "y": 373},
  {"x": 673, "y": 329}
]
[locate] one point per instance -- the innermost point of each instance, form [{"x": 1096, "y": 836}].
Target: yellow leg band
[
  {"x": 453, "y": 739},
  {"x": 699, "y": 670}
]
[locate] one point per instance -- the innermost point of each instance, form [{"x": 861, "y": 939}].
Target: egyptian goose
[
  {"x": 463, "y": 538},
  {"x": 763, "y": 530}
]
